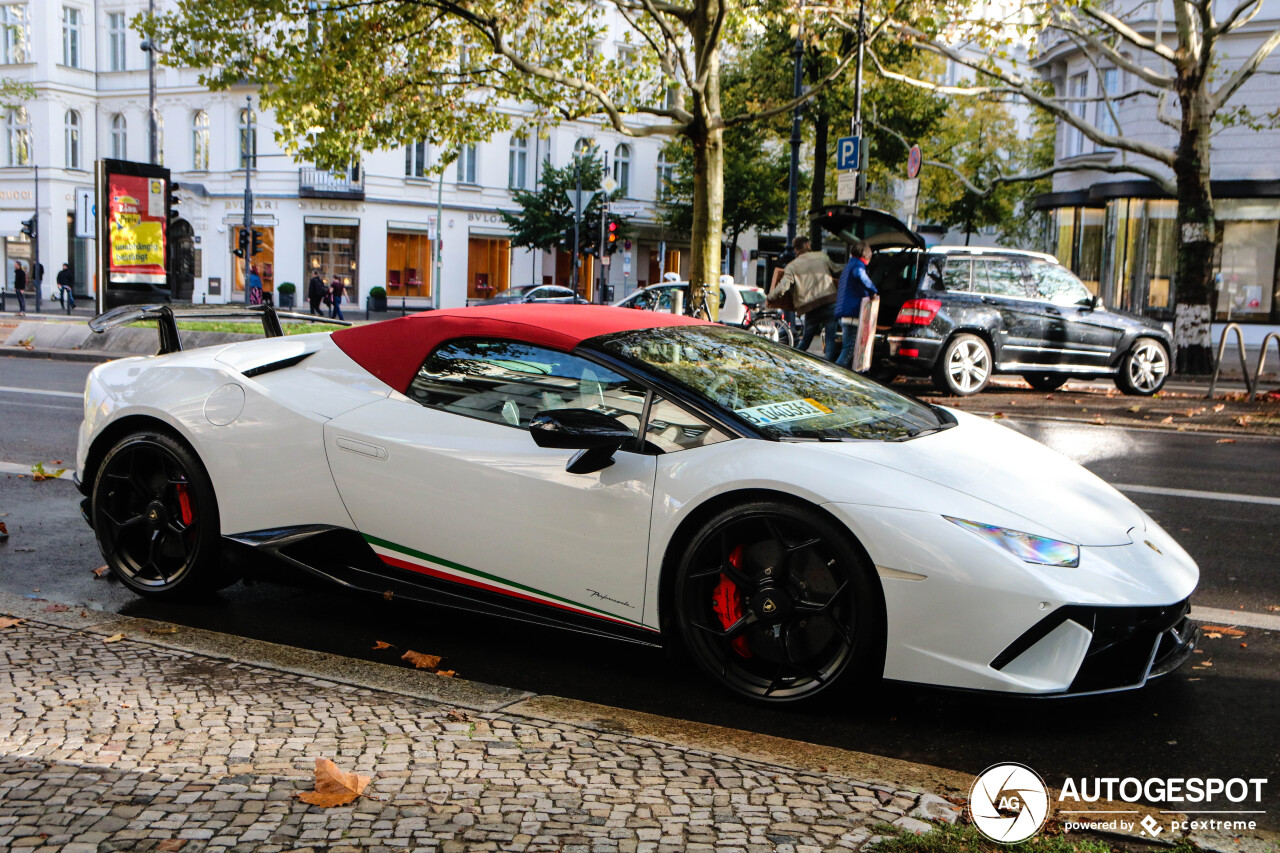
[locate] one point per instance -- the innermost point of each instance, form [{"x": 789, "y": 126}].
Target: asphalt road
[{"x": 1218, "y": 718}]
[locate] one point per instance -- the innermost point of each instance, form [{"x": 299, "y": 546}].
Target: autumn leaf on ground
[
  {"x": 114, "y": 638},
  {"x": 8, "y": 621},
  {"x": 1219, "y": 407},
  {"x": 447, "y": 673},
  {"x": 1220, "y": 629},
  {"x": 1167, "y": 420},
  {"x": 1226, "y": 441},
  {"x": 421, "y": 661},
  {"x": 334, "y": 787},
  {"x": 1274, "y": 608},
  {"x": 4, "y": 531},
  {"x": 38, "y": 472},
  {"x": 100, "y": 571},
  {"x": 378, "y": 645},
  {"x": 457, "y": 715},
  {"x": 388, "y": 595},
  {"x": 1135, "y": 408},
  {"x": 171, "y": 845},
  {"x": 163, "y": 629},
  {"x": 1243, "y": 421},
  {"x": 56, "y": 608},
  {"x": 1192, "y": 412}
]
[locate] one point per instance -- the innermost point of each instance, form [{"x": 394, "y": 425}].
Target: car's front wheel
[
  {"x": 156, "y": 517},
  {"x": 1045, "y": 381},
  {"x": 964, "y": 366},
  {"x": 776, "y": 604},
  {"x": 1144, "y": 368}
]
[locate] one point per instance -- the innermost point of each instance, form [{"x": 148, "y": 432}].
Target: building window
[
  {"x": 1108, "y": 87},
  {"x": 467, "y": 165},
  {"x": 116, "y": 36},
  {"x": 666, "y": 174},
  {"x": 1077, "y": 90},
  {"x": 672, "y": 98},
  {"x": 18, "y": 136},
  {"x": 119, "y": 137},
  {"x": 71, "y": 36},
  {"x": 518, "y": 163},
  {"x": 248, "y": 139},
  {"x": 584, "y": 147},
  {"x": 13, "y": 40},
  {"x": 415, "y": 160},
  {"x": 71, "y": 135},
  {"x": 408, "y": 264},
  {"x": 622, "y": 169},
  {"x": 200, "y": 141}
]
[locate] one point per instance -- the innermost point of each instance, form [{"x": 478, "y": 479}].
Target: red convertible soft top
[{"x": 394, "y": 349}]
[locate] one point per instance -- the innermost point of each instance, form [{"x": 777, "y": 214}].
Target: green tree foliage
[{"x": 545, "y": 220}]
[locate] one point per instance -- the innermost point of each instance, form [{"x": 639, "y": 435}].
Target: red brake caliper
[
  {"x": 184, "y": 503},
  {"x": 726, "y": 601}
]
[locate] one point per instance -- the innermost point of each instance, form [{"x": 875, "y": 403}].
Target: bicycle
[
  {"x": 698, "y": 307},
  {"x": 770, "y": 323}
]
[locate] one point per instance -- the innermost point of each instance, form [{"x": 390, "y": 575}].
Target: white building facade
[
  {"x": 374, "y": 225},
  {"x": 1117, "y": 231}
]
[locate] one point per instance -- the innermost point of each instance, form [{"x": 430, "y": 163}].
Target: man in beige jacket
[{"x": 811, "y": 280}]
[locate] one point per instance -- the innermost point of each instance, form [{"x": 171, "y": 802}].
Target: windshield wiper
[{"x": 916, "y": 433}]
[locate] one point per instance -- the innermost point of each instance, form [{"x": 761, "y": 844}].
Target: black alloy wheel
[
  {"x": 775, "y": 603},
  {"x": 156, "y": 518},
  {"x": 1045, "y": 381}
]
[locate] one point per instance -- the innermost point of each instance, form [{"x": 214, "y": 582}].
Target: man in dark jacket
[
  {"x": 66, "y": 281},
  {"x": 336, "y": 289},
  {"x": 19, "y": 285},
  {"x": 854, "y": 285},
  {"x": 315, "y": 292}
]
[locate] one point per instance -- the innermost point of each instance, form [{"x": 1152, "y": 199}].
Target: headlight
[{"x": 1025, "y": 546}]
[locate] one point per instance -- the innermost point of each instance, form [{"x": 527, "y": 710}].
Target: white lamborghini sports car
[{"x": 636, "y": 475}]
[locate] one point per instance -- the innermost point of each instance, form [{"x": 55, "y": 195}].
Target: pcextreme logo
[{"x": 1009, "y": 803}]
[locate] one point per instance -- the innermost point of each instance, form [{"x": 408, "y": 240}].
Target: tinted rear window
[{"x": 895, "y": 271}]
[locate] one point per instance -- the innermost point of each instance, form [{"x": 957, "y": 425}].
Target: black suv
[{"x": 960, "y": 314}]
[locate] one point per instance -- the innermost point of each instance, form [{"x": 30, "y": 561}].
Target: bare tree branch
[
  {"x": 1155, "y": 78},
  {"x": 1244, "y": 72},
  {"x": 1129, "y": 34},
  {"x": 1240, "y": 16}
]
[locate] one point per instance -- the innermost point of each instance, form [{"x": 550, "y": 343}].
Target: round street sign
[{"x": 913, "y": 161}]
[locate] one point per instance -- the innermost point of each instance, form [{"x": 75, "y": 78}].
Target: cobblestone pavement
[{"x": 128, "y": 746}]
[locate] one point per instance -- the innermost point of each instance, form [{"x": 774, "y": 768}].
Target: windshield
[
  {"x": 512, "y": 294},
  {"x": 752, "y": 297},
  {"x": 783, "y": 392}
]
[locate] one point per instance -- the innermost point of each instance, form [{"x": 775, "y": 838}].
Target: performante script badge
[{"x": 1009, "y": 803}]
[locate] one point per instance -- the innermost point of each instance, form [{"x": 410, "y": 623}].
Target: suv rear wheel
[
  {"x": 1045, "y": 381},
  {"x": 964, "y": 366},
  {"x": 1144, "y": 368}
]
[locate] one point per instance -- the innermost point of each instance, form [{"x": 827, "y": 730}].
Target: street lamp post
[
  {"x": 860, "y": 193},
  {"x": 153, "y": 131},
  {"x": 248, "y": 153},
  {"x": 797, "y": 53}
]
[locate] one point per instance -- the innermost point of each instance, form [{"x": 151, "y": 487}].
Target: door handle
[{"x": 363, "y": 448}]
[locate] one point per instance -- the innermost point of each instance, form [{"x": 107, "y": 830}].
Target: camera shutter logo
[{"x": 1009, "y": 803}]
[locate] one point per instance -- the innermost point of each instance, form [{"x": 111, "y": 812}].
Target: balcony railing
[{"x": 322, "y": 183}]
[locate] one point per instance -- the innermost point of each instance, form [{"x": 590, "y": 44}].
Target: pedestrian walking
[
  {"x": 810, "y": 280},
  {"x": 19, "y": 285},
  {"x": 255, "y": 286},
  {"x": 854, "y": 285},
  {"x": 316, "y": 292},
  {"x": 66, "y": 282},
  {"x": 336, "y": 288}
]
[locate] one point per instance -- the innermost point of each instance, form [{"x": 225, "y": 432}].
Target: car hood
[{"x": 996, "y": 465}]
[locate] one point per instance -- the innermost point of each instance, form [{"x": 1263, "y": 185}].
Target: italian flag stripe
[{"x": 417, "y": 561}]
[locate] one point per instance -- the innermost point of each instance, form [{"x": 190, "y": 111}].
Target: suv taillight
[{"x": 918, "y": 312}]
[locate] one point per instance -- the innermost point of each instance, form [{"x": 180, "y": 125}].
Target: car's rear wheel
[
  {"x": 1045, "y": 381},
  {"x": 964, "y": 367},
  {"x": 1144, "y": 368},
  {"x": 776, "y": 604},
  {"x": 156, "y": 517}
]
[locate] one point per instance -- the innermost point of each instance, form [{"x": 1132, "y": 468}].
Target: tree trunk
[
  {"x": 707, "y": 137},
  {"x": 1194, "y": 286},
  {"x": 818, "y": 187}
]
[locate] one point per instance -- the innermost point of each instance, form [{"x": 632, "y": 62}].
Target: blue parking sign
[{"x": 847, "y": 152}]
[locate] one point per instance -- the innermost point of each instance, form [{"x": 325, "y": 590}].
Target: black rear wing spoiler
[{"x": 167, "y": 319}]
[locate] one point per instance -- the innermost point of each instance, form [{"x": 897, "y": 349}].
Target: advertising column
[{"x": 132, "y": 234}]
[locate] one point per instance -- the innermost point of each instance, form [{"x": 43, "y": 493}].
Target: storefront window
[
  {"x": 488, "y": 266},
  {"x": 1066, "y": 222},
  {"x": 1161, "y": 254},
  {"x": 334, "y": 250},
  {"x": 264, "y": 261},
  {"x": 1124, "y": 220},
  {"x": 1247, "y": 286},
  {"x": 1088, "y": 265},
  {"x": 408, "y": 264}
]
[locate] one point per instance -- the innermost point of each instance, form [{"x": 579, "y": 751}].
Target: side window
[
  {"x": 1057, "y": 284},
  {"x": 999, "y": 277},
  {"x": 671, "y": 428},
  {"x": 955, "y": 276},
  {"x": 506, "y": 382},
  {"x": 722, "y": 297}
]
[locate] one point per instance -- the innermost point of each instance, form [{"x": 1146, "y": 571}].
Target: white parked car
[
  {"x": 634, "y": 475},
  {"x": 739, "y": 303}
]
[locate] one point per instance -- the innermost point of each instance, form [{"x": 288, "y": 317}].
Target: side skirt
[{"x": 342, "y": 556}]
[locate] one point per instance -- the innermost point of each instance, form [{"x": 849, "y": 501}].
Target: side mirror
[
  {"x": 595, "y": 435},
  {"x": 1090, "y": 304}
]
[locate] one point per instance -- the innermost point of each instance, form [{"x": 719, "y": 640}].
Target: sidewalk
[{"x": 131, "y": 745}]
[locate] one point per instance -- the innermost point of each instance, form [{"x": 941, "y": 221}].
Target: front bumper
[{"x": 1127, "y": 646}]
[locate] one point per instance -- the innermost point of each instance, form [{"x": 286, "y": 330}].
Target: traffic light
[
  {"x": 174, "y": 201},
  {"x": 243, "y": 236},
  {"x": 29, "y": 227},
  {"x": 256, "y": 245},
  {"x": 613, "y": 232}
]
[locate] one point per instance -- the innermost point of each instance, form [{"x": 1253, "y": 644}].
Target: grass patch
[
  {"x": 966, "y": 839},
  {"x": 246, "y": 327}
]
